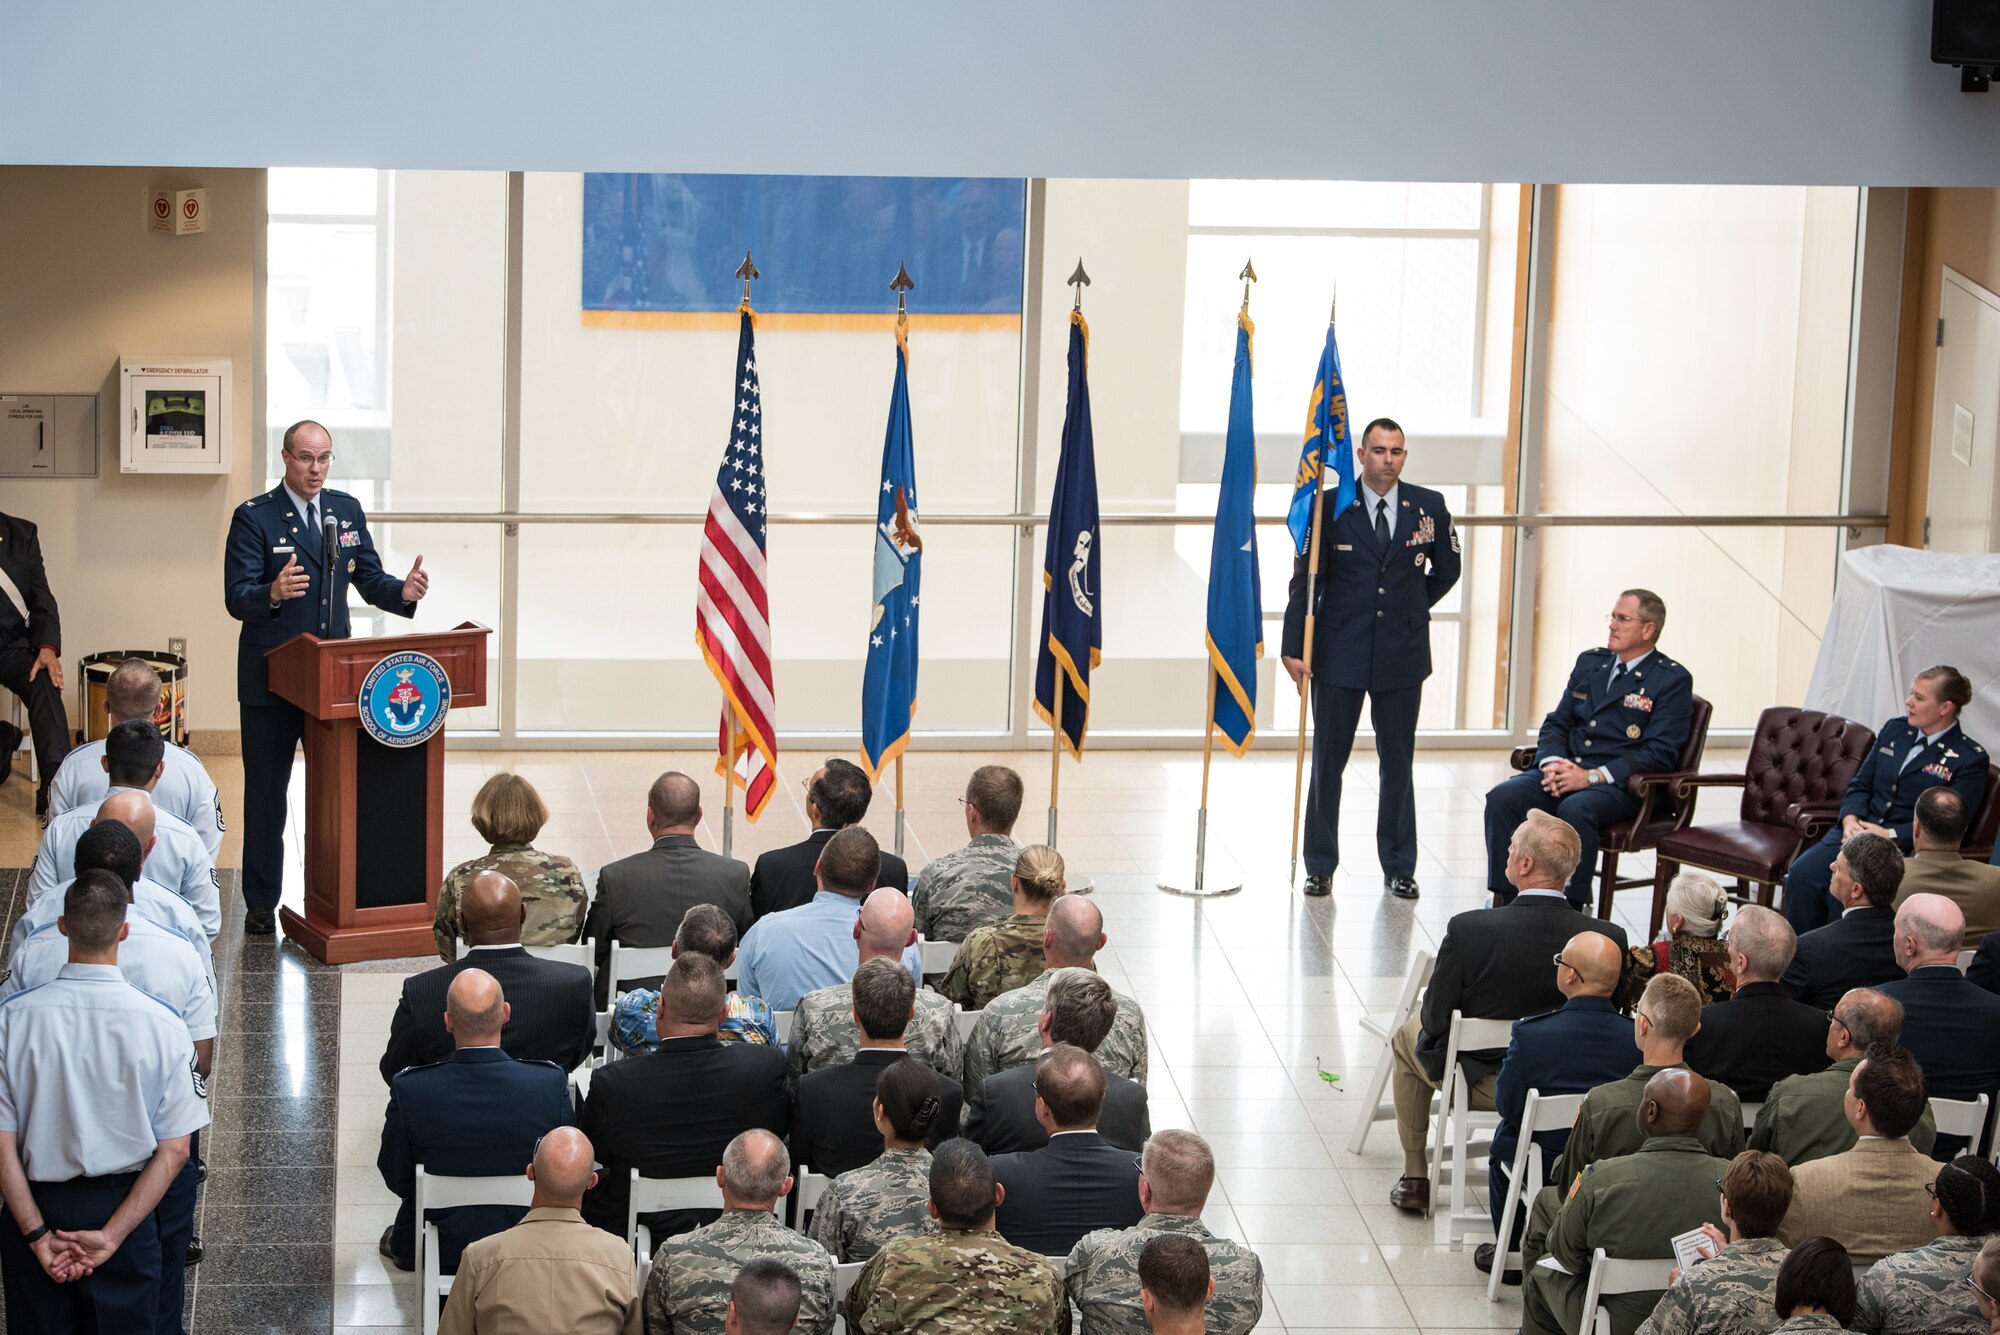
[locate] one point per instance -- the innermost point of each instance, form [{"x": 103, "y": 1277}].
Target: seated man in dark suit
[
  {"x": 1919, "y": 751},
  {"x": 1079, "y": 1010},
  {"x": 1573, "y": 1049},
  {"x": 1627, "y": 710},
  {"x": 1938, "y": 829},
  {"x": 1493, "y": 964},
  {"x": 833, "y": 1125},
  {"x": 1077, "y": 1182},
  {"x": 550, "y": 1018},
  {"x": 1984, "y": 970},
  {"x": 1950, "y": 1025},
  {"x": 1759, "y": 1036},
  {"x": 671, "y": 1113},
  {"x": 837, "y": 796},
  {"x": 1855, "y": 950},
  {"x": 476, "y": 1114},
  {"x": 641, "y": 899}
]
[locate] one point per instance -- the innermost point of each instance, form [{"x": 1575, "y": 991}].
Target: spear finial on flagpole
[
  {"x": 1079, "y": 280},
  {"x": 747, "y": 271},
  {"x": 1333, "y": 311},
  {"x": 1249, "y": 276},
  {"x": 901, "y": 284}
]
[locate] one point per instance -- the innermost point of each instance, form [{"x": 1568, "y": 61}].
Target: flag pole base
[{"x": 1202, "y": 883}]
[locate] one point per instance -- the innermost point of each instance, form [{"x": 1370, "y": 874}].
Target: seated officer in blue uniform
[
  {"x": 281, "y": 577},
  {"x": 1920, "y": 750},
  {"x": 1384, "y": 562},
  {"x": 1573, "y": 1049},
  {"x": 476, "y": 1114},
  {"x": 1626, "y": 710},
  {"x": 98, "y": 1097}
]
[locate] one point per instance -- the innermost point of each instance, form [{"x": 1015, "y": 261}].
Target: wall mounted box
[
  {"x": 173, "y": 414},
  {"x": 48, "y": 435}
]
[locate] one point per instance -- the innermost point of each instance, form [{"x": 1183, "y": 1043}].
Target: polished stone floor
[{"x": 1248, "y": 1000}]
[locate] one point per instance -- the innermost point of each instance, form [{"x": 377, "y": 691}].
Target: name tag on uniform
[
  {"x": 1579, "y": 695},
  {"x": 1343, "y": 546},
  {"x": 282, "y": 551}
]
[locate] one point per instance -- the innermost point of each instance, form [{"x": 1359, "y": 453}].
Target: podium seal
[{"x": 403, "y": 699}]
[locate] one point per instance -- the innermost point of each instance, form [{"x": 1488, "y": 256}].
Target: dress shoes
[
  {"x": 194, "y": 1252},
  {"x": 1482, "y": 1258},
  {"x": 390, "y": 1252},
  {"x": 1412, "y": 1194},
  {"x": 260, "y": 922},
  {"x": 1318, "y": 887},
  {"x": 1402, "y": 887}
]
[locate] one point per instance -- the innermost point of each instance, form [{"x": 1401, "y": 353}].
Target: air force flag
[
  {"x": 889, "y": 680},
  {"x": 1326, "y": 442}
]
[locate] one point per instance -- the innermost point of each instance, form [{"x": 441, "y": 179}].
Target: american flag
[{"x": 732, "y": 609}]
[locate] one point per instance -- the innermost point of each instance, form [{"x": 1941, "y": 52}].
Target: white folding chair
[
  {"x": 1543, "y": 1112},
  {"x": 582, "y": 952},
  {"x": 844, "y": 1275},
  {"x": 966, "y": 1021},
  {"x": 1750, "y": 1111},
  {"x": 630, "y": 962},
  {"x": 1610, "y": 1277},
  {"x": 1965, "y": 959},
  {"x": 1382, "y": 1026},
  {"x": 782, "y": 1022},
  {"x": 1458, "y": 1122},
  {"x": 806, "y": 1193},
  {"x": 651, "y": 1195},
  {"x": 1961, "y": 1117},
  {"x": 937, "y": 955},
  {"x": 443, "y": 1193}
]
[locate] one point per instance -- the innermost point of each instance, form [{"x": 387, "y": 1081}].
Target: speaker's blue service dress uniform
[
  {"x": 1614, "y": 723},
  {"x": 1372, "y": 638},
  {"x": 1884, "y": 791},
  {"x": 264, "y": 533}
]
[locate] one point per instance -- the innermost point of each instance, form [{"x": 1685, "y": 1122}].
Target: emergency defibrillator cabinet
[{"x": 173, "y": 414}]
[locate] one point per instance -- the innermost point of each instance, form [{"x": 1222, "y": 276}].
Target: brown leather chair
[
  {"x": 1661, "y": 808},
  {"x": 1800, "y": 763},
  {"x": 1985, "y": 827}
]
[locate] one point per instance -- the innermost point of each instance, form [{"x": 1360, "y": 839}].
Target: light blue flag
[
  {"x": 889, "y": 680},
  {"x": 1326, "y": 429},
  {"x": 1235, "y": 603}
]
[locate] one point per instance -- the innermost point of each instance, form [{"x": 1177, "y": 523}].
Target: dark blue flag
[
  {"x": 1326, "y": 438},
  {"x": 1072, "y": 605},
  {"x": 889, "y": 681},
  {"x": 1235, "y": 603}
]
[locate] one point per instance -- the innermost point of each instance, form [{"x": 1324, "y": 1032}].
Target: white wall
[
  {"x": 1833, "y": 91},
  {"x": 132, "y": 560}
]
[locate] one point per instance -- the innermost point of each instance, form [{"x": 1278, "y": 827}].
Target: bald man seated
[
  {"x": 1572, "y": 1049},
  {"x": 551, "y": 1017},
  {"x": 551, "y": 1271},
  {"x": 478, "y": 1113},
  {"x": 1949, "y": 1023},
  {"x": 1633, "y": 1207}
]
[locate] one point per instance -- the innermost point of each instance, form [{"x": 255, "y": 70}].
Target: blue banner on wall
[{"x": 659, "y": 249}]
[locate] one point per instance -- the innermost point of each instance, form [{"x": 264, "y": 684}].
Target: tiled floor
[{"x": 1248, "y": 999}]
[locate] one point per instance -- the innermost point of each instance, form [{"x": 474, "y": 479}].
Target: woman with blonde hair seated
[
  {"x": 509, "y": 813},
  {"x": 1692, "y": 945},
  {"x": 1009, "y": 954}
]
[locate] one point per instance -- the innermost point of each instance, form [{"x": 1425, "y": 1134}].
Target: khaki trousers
[{"x": 1412, "y": 1090}]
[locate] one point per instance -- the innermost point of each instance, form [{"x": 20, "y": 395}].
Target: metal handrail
[{"x": 1150, "y": 520}]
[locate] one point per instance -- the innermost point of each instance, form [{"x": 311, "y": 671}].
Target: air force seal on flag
[{"x": 403, "y": 699}]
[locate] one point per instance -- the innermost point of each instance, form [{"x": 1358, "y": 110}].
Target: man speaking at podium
[{"x": 293, "y": 554}]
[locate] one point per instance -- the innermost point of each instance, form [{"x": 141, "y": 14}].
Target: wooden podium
[{"x": 374, "y": 827}]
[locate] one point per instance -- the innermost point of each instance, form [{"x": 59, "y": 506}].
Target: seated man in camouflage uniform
[
  {"x": 1001, "y": 958},
  {"x": 1103, "y": 1278},
  {"x": 1175, "y": 1285},
  {"x": 688, "y": 1291},
  {"x": 1631, "y": 1206},
  {"x": 865, "y": 1209},
  {"x": 965, "y": 1278},
  {"x": 509, "y": 813},
  {"x": 823, "y": 1024},
  {"x": 706, "y": 930},
  {"x": 1805, "y": 1116},
  {"x": 1729, "y": 1293},
  {"x": 969, "y": 886},
  {"x": 1923, "y": 1291},
  {"x": 1009, "y": 1030}
]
